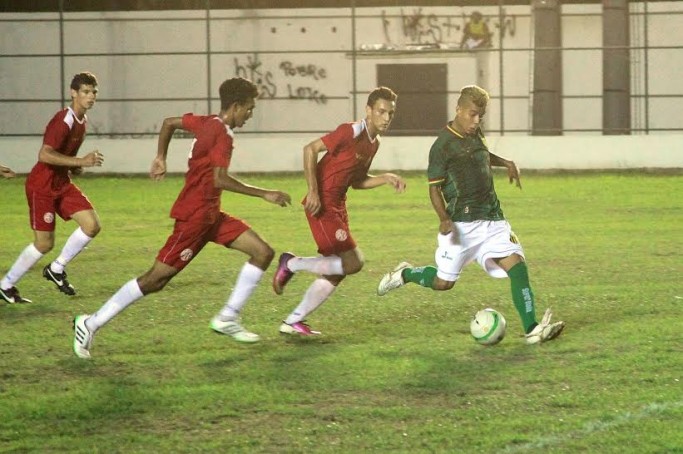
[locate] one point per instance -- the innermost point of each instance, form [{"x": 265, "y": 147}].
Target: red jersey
[
  {"x": 349, "y": 154},
  {"x": 65, "y": 134},
  {"x": 199, "y": 199}
]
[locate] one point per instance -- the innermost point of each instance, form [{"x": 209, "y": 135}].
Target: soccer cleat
[
  {"x": 232, "y": 327},
  {"x": 393, "y": 279},
  {"x": 82, "y": 337},
  {"x": 299, "y": 328},
  {"x": 545, "y": 331},
  {"x": 12, "y": 296},
  {"x": 59, "y": 279},
  {"x": 282, "y": 274}
]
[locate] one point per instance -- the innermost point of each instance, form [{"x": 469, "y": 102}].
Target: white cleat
[
  {"x": 545, "y": 331},
  {"x": 232, "y": 328},
  {"x": 82, "y": 337},
  {"x": 393, "y": 279}
]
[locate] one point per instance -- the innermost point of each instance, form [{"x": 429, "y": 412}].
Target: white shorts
[{"x": 482, "y": 241}]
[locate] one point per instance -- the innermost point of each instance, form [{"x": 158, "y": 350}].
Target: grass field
[{"x": 392, "y": 374}]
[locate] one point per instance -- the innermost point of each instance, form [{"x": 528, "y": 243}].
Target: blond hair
[{"x": 477, "y": 95}]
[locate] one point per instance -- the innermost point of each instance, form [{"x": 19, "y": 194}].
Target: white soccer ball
[{"x": 488, "y": 327}]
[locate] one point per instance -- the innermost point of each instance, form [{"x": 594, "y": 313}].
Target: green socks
[
  {"x": 423, "y": 275},
  {"x": 522, "y": 295}
]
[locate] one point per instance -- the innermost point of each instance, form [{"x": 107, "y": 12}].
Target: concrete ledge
[{"x": 283, "y": 153}]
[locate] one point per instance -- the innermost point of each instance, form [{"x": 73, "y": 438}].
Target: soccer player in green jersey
[{"x": 471, "y": 223}]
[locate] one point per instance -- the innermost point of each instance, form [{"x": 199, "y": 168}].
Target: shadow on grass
[{"x": 20, "y": 313}]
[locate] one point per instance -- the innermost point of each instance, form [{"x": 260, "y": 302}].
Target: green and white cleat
[
  {"x": 545, "y": 331},
  {"x": 232, "y": 328},
  {"x": 393, "y": 279},
  {"x": 82, "y": 337}
]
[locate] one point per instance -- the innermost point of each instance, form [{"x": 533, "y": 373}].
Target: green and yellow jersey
[{"x": 461, "y": 166}]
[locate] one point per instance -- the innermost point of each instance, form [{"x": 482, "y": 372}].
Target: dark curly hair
[{"x": 236, "y": 90}]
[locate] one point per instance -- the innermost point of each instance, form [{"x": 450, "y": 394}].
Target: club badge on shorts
[{"x": 341, "y": 235}]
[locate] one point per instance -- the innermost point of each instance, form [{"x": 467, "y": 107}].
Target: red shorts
[
  {"x": 188, "y": 238},
  {"x": 42, "y": 207},
  {"x": 331, "y": 232}
]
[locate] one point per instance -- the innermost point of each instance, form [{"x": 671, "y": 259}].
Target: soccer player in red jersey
[
  {"x": 350, "y": 150},
  {"x": 49, "y": 191},
  {"x": 198, "y": 217}
]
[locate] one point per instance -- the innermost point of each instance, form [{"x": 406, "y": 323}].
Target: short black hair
[
  {"x": 84, "y": 78},
  {"x": 381, "y": 93},
  {"x": 236, "y": 90}
]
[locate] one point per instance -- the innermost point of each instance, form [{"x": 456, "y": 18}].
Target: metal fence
[{"x": 365, "y": 37}]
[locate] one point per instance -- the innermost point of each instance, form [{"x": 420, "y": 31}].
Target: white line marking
[{"x": 593, "y": 427}]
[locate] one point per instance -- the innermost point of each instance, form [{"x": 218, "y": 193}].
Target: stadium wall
[
  {"x": 315, "y": 66},
  {"x": 277, "y": 153}
]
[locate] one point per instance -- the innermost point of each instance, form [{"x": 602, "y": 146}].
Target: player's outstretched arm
[
  {"x": 6, "y": 172},
  {"x": 513, "y": 170},
  {"x": 374, "y": 181},
  {"x": 277, "y": 197},
  {"x": 168, "y": 127},
  {"x": 224, "y": 181},
  {"x": 312, "y": 203},
  {"x": 49, "y": 155}
]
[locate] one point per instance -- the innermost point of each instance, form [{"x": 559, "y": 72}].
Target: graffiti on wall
[
  {"x": 416, "y": 27},
  {"x": 252, "y": 69},
  {"x": 286, "y": 79}
]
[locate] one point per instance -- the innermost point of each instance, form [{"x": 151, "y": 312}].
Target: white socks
[
  {"x": 319, "y": 291},
  {"x": 330, "y": 265},
  {"x": 73, "y": 246},
  {"x": 127, "y": 295},
  {"x": 248, "y": 279},
  {"x": 28, "y": 257}
]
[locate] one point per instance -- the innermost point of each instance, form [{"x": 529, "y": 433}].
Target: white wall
[
  {"x": 274, "y": 153},
  {"x": 138, "y": 91}
]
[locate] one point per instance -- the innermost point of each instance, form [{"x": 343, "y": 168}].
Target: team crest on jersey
[
  {"x": 186, "y": 255},
  {"x": 341, "y": 235},
  {"x": 49, "y": 217}
]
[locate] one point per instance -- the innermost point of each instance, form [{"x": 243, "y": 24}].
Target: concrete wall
[
  {"x": 274, "y": 153},
  {"x": 302, "y": 61},
  {"x": 137, "y": 90}
]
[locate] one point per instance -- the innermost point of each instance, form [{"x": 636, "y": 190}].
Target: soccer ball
[{"x": 488, "y": 327}]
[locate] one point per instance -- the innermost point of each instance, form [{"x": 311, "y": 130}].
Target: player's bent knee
[
  {"x": 43, "y": 246},
  {"x": 262, "y": 257},
  {"x": 147, "y": 287},
  {"x": 92, "y": 230},
  {"x": 352, "y": 268},
  {"x": 154, "y": 281}
]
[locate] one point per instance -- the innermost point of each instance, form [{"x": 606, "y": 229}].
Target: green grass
[{"x": 392, "y": 374}]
